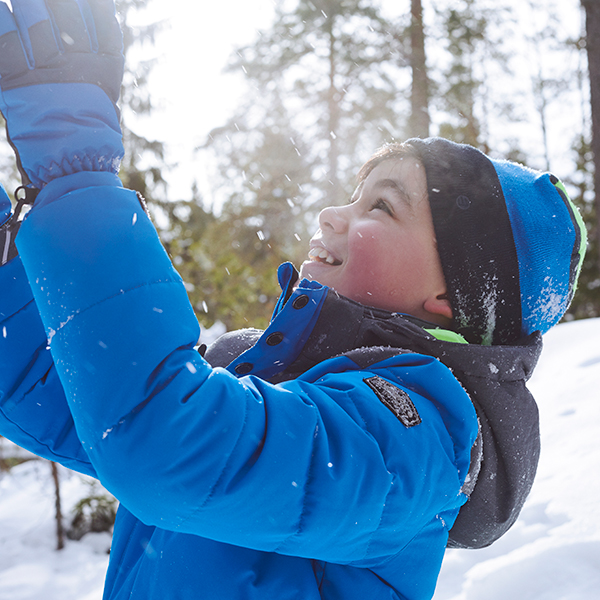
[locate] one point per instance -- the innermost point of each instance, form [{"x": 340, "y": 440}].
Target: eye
[{"x": 381, "y": 204}]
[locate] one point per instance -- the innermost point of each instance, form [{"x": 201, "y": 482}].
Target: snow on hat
[{"x": 510, "y": 240}]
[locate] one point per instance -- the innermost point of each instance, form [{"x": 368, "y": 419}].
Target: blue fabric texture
[
  {"x": 228, "y": 484},
  {"x": 33, "y": 408},
  {"x": 61, "y": 67}
]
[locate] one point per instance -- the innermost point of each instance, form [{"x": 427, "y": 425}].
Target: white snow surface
[
  {"x": 551, "y": 553},
  {"x": 30, "y": 566}
]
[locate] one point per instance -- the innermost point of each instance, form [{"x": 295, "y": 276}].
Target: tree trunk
[
  {"x": 592, "y": 26},
  {"x": 419, "y": 98},
  {"x": 60, "y": 539}
]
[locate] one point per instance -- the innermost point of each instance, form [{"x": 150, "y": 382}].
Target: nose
[{"x": 334, "y": 219}]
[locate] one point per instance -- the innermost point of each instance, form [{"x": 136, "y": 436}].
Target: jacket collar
[{"x": 312, "y": 323}]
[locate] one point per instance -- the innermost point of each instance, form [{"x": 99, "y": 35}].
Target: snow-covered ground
[
  {"x": 30, "y": 566},
  {"x": 552, "y": 553}
]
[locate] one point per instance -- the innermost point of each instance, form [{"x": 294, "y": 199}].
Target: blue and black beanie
[{"x": 510, "y": 240}]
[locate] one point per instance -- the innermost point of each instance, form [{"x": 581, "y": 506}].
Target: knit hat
[{"x": 510, "y": 240}]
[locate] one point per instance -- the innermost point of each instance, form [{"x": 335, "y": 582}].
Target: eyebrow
[{"x": 397, "y": 188}]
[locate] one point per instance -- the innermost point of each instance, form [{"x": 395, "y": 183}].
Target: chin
[
  {"x": 307, "y": 270},
  {"x": 316, "y": 271}
]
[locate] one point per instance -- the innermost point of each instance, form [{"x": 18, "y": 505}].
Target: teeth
[{"x": 322, "y": 254}]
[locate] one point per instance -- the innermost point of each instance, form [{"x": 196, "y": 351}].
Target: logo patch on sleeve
[{"x": 396, "y": 399}]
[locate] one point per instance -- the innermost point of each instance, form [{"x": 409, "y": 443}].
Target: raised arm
[{"x": 315, "y": 467}]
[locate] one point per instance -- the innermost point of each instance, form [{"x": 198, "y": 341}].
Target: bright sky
[{"x": 189, "y": 83}]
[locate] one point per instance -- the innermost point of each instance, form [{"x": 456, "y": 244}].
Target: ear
[{"x": 439, "y": 305}]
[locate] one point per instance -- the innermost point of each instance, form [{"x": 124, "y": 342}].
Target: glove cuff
[{"x": 53, "y": 141}]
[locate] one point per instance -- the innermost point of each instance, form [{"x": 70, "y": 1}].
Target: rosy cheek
[
  {"x": 363, "y": 237},
  {"x": 360, "y": 250}
]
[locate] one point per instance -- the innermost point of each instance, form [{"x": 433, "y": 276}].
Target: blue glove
[{"x": 61, "y": 66}]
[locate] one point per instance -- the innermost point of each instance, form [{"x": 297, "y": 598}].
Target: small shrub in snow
[{"x": 94, "y": 513}]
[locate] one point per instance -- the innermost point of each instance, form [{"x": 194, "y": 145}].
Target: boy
[{"x": 331, "y": 457}]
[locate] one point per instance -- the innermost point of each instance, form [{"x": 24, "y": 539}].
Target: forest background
[{"x": 316, "y": 90}]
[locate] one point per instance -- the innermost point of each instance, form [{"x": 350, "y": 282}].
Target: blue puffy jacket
[{"x": 340, "y": 483}]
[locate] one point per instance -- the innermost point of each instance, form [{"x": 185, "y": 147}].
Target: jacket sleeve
[
  {"x": 317, "y": 467},
  {"x": 33, "y": 409}
]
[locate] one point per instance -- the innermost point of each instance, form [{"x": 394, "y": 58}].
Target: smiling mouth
[{"x": 318, "y": 254}]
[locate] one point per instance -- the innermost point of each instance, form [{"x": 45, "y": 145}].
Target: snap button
[
  {"x": 275, "y": 338},
  {"x": 300, "y": 302},
  {"x": 244, "y": 368},
  {"x": 463, "y": 202}
]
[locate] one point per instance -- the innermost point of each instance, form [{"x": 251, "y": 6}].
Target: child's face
[{"x": 380, "y": 250}]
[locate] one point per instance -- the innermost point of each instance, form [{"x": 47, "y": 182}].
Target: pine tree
[
  {"x": 465, "y": 28},
  {"x": 60, "y": 535},
  {"x": 334, "y": 65},
  {"x": 229, "y": 269},
  {"x": 419, "y": 121},
  {"x": 229, "y": 260},
  {"x": 473, "y": 34},
  {"x": 592, "y": 13},
  {"x": 586, "y": 303}
]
